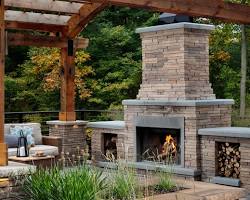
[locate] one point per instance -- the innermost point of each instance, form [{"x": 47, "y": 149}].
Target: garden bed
[{"x": 72, "y": 189}]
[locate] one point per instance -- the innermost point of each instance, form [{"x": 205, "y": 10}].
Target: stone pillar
[
  {"x": 72, "y": 132},
  {"x": 175, "y": 62}
]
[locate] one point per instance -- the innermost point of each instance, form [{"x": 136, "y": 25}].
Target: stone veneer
[
  {"x": 72, "y": 133},
  {"x": 175, "y": 61},
  {"x": 209, "y": 114},
  {"x": 97, "y": 141}
]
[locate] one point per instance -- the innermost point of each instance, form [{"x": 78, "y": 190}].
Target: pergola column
[
  {"x": 68, "y": 86},
  {"x": 3, "y": 146}
]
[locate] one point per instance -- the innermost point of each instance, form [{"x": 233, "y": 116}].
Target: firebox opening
[
  {"x": 160, "y": 145},
  {"x": 109, "y": 145}
]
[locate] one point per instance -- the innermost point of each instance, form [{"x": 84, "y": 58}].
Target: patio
[{"x": 175, "y": 100}]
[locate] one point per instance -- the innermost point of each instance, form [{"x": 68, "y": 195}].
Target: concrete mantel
[
  {"x": 66, "y": 123},
  {"x": 186, "y": 25},
  {"x": 181, "y": 103}
]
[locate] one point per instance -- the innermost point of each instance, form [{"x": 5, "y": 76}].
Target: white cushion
[
  {"x": 46, "y": 149},
  {"x": 37, "y": 134}
]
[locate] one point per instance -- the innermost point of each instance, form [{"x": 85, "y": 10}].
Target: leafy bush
[{"x": 75, "y": 184}]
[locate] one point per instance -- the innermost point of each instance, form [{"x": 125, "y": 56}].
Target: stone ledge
[
  {"x": 237, "y": 132},
  {"x": 15, "y": 169},
  {"x": 178, "y": 170},
  {"x": 226, "y": 181},
  {"x": 107, "y": 124},
  {"x": 66, "y": 123},
  {"x": 181, "y": 103},
  {"x": 175, "y": 26}
]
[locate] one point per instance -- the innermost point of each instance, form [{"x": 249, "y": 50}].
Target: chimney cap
[{"x": 169, "y": 18}]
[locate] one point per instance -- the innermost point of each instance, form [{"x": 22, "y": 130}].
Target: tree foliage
[
  {"x": 109, "y": 70},
  {"x": 37, "y": 84},
  {"x": 225, "y": 62}
]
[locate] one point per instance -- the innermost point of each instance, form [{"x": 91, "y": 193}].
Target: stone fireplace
[{"x": 175, "y": 98}]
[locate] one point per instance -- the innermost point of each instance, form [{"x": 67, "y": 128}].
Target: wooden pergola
[{"x": 61, "y": 21}]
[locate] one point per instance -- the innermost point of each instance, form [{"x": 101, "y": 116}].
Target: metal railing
[
  {"x": 44, "y": 116},
  {"x": 88, "y": 115}
]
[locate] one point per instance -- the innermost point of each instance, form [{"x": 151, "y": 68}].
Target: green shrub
[
  {"x": 124, "y": 184},
  {"x": 74, "y": 184},
  {"x": 166, "y": 182}
]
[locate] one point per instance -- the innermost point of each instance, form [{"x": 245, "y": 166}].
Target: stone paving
[{"x": 204, "y": 191}]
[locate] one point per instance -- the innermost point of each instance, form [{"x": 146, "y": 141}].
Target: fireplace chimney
[{"x": 175, "y": 62}]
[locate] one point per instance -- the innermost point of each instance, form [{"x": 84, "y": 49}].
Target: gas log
[{"x": 228, "y": 159}]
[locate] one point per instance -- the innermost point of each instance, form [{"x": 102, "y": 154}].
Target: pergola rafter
[
  {"x": 15, "y": 25},
  {"x": 76, "y": 14},
  {"x": 20, "y": 39},
  {"x": 66, "y": 19},
  {"x": 36, "y": 18},
  {"x": 45, "y": 5}
]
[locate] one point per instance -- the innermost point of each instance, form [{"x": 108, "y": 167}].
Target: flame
[
  {"x": 170, "y": 141},
  {"x": 169, "y": 149}
]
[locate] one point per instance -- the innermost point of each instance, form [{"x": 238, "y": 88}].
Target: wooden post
[
  {"x": 68, "y": 86},
  {"x": 3, "y": 146}
]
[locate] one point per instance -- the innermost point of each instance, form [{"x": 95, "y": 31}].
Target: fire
[
  {"x": 170, "y": 142},
  {"x": 169, "y": 148}
]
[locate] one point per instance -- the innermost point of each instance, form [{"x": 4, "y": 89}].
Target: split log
[{"x": 228, "y": 158}]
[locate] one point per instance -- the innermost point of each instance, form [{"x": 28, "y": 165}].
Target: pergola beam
[
  {"x": 19, "y": 39},
  {"x": 45, "y": 5},
  {"x": 229, "y": 12},
  {"x": 13, "y": 25},
  {"x": 87, "y": 12},
  {"x": 38, "y": 18}
]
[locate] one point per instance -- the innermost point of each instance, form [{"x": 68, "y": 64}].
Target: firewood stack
[
  {"x": 228, "y": 160},
  {"x": 110, "y": 147}
]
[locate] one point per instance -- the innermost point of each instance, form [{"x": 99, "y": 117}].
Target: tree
[
  {"x": 243, "y": 72},
  {"x": 225, "y": 61},
  {"x": 115, "y": 49},
  {"x": 243, "y": 69},
  {"x": 37, "y": 83}
]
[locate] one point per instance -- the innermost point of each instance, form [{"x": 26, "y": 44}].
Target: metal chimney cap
[{"x": 169, "y": 18}]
